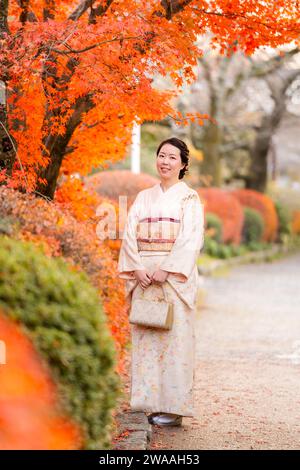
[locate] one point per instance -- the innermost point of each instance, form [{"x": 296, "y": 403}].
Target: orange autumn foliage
[
  {"x": 72, "y": 195},
  {"x": 29, "y": 416},
  {"x": 296, "y": 222},
  {"x": 79, "y": 73},
  {"x": 83, "y": 202},
  {"x": 264, "y": 205},
  {"x": 225, "y": 206}
]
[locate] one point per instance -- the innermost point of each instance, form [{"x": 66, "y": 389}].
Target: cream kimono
[{"x": 164, "y": 229}]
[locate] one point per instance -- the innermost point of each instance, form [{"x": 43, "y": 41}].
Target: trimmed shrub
[
  {"x": 227, "y": 208},
  {"x": 263, "y": 204},
  {"x": 44, "y": 222},
  {"x": 214, "y": 226},
  {"x": 219, "y": 250},
  {"x": 253, "y": 227},
  {"x": 236, "y": 250},
  {"x": 284, "y": 220},
  {"x": 210, "y": 246},
  {"x": 115, "y": 183},
  {"x": 61, "y": 313},
  {"x": 257, "y": 246},
  {"x": 296, "y": 223},
  {"x": 224, "y": 252}
]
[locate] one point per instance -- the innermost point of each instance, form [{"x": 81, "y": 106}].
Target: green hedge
[
  {"x": 222, "y": 250},
  {"x": 62, "y": 314},
  {"x": 253, "y": 226},
  {"x": 214, "y": 222},
  {"x": 284, "y": 219}
]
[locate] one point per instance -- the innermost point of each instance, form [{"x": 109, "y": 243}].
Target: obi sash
[{"x": 157, "y": 233}]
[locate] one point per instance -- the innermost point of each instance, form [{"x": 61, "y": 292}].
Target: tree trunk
[
  {"x": 278, "y": 84},
  {"x": 7, "y": 152},
  {"x": 211, "y": 164},
  {"x": 257, "y": 178},
  {"x": 57, "y": 146}
]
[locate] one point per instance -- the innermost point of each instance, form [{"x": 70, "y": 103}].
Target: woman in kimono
[{"x": 163, "y": 236}]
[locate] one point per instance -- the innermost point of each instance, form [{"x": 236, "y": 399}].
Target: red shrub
[
  {"x": 296, "y": 222},
  {"x": 228, "y": 209},
  {"x": 112, "y": 184},
  {"x": 264, "y": 205}
]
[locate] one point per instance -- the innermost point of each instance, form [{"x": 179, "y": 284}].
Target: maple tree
[{"x": 76, "y": 74}]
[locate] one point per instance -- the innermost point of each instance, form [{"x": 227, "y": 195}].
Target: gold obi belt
[{"x": 157, "y": 233}]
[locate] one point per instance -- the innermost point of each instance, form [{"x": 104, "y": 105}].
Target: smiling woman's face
[{"x": 168, "y": 162}]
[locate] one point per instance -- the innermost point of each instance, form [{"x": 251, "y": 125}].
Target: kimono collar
[{"x": 180, "y": 183}]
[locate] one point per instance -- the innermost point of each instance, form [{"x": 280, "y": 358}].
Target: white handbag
[{"x": 152, "y": 313}]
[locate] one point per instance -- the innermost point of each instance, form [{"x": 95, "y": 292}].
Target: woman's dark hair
[{"x": 184, "y": 152}]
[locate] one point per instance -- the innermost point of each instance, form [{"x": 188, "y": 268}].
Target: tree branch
[
  {"x": 49, "y": 10},
  {"x": 172, "y": 7},
  {"x": 26, "y": 15},
  {"x": 85, "y": 5},
  {"x": 271, "y": 65},
  {"x": 231, "y": 15},
  {"x": 79, "y": 51}
]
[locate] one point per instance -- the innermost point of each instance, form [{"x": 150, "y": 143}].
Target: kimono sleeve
[
  {"x": 186, "y": 248},
  {"x": 129, "y": 258}
]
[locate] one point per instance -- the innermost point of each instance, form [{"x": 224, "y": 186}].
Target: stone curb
[{"x": 137, "y": 429}]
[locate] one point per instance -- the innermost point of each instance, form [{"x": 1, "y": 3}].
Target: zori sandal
[
  {"x": 151, "y": 416},
  {"x": 167, "y": 419}
]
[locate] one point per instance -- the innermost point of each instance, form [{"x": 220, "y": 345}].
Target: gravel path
[{"x": 247, "y": 389}]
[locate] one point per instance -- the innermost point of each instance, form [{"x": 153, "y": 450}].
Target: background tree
[
  {"x": 247, "y": 97},
  {"x": 278, "y": 80}
]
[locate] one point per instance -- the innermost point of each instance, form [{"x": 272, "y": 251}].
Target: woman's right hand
[{"x": 144, "y": 277}]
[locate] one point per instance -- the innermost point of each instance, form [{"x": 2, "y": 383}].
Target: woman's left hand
[{"x": 159, "y": 276}]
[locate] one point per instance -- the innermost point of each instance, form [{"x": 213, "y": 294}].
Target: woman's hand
[
  {"x": 159, "y": 276},
  {"x": 144, "y": 277}
]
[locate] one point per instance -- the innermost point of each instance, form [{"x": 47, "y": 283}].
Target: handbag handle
[{"x": 163, "y": 289}]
